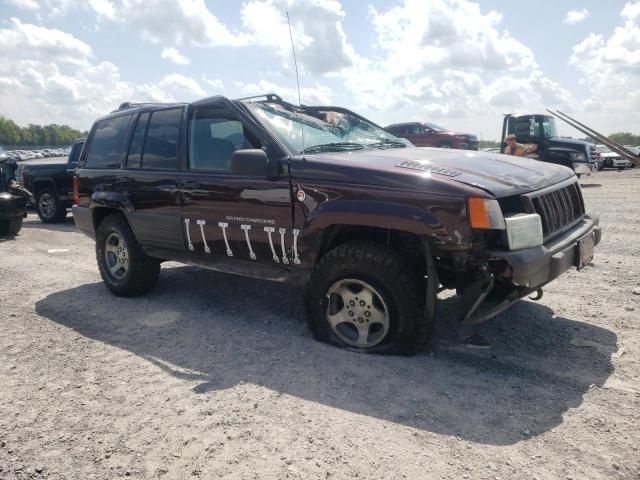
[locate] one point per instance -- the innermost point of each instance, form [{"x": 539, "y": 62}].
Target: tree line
[{"x": 37, "y": 135}]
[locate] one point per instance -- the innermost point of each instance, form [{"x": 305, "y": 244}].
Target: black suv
[{"x": 318, "y": 194}]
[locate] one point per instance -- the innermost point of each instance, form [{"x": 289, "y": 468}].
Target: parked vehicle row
[
  {"x": 21, "y": 155},
  {"x": 609, "y": 159},
  {"x": 319, "y": 195}
]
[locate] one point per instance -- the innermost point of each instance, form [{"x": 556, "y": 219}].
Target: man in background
[{"x": 517, "y": 149}]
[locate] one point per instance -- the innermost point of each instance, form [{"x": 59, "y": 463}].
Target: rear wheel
[
  {"x": 49, "y": 207},
  {"x": 125, "y": 269},
  {"x": 366, "y": 297}
]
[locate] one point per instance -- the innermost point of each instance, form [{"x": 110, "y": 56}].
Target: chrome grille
[{"x": 558, "y": 208}]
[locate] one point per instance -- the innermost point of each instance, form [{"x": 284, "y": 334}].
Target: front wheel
[
  {"x": 11, "y": 227},
  {"x": 49, "y": 207},
  {"x": 367, "y": 298},
  {"x": 125, "y": 269}
]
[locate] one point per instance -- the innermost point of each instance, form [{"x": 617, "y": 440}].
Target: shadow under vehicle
[{"x": 194, "y": 328}]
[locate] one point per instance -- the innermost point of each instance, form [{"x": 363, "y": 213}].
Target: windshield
[
  {"x": 549, "y": 127},
  {"x": 325, "y": 130},
  {"x": 436, "y": 128}
]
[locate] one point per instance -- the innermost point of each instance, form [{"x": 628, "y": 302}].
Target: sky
[{"x": 458, "y": 63}]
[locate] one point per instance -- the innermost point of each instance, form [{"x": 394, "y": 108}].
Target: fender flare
[{"x": 422, "y": 222}]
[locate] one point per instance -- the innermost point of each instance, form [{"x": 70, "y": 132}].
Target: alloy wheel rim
[
  {"x": 46, "y": 205},
  {"x": 116, "y": 256},
  {"x": 357, "y": 313}
]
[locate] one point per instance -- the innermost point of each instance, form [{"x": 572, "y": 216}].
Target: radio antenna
[{"x": 295, "y": 63}]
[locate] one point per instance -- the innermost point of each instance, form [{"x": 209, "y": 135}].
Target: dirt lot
[{"x": 214, "y": 376}]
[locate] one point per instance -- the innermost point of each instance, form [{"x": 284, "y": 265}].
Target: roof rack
[
  {"x": 270, "y": 97},
  {"x": 125, "y": 105}
]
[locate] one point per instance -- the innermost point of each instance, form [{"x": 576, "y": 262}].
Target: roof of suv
[{"x": 404, "y": 124}]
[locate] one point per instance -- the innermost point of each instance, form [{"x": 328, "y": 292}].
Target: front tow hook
[{"x": 538, "y": 296}]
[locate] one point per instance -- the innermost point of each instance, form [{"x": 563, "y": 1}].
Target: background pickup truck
[{"x": 51, "y": 182}]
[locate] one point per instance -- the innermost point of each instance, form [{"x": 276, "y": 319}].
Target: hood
[
  {"x": 579, "y": 145},
  {"x": 499, "y": 175}
]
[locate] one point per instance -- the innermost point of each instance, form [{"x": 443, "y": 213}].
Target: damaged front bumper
[{"x": 530, "y": 269}]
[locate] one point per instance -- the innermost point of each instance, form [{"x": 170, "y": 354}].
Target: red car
[{"x": 431, "y": 135}]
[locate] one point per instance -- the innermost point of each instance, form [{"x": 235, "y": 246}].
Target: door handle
[{"x": 125, "y": 180}]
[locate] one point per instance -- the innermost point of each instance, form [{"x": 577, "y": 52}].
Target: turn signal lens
[{"x": 485, "y": 214}]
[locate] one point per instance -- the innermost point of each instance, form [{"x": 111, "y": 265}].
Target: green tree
[
  {"x": 37, "y": 135},
  {"x": 625, "y": 138},
  {"x": 9, "y": 132}
]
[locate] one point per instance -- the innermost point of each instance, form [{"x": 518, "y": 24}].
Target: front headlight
[
  {"x": 461, "y": 137},
  {"x": 577, "y": 157},
  {"x": 524, "y": 231},
  {"x": 485, "y": 214}
]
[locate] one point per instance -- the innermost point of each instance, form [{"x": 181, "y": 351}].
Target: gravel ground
[{"x": 216, "y": 376}]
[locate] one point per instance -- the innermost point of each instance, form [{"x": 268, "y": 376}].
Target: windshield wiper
[
  {"x": 387, "y": 144},
  {"x": 333, "y": 147}
]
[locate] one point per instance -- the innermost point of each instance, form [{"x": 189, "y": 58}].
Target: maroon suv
[{"x": 431, "y": 135}]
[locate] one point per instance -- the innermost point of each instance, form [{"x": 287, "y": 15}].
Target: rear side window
[
  {"x": 74, "y": 156},
  {"x": 135, "y": 149},
  {"x": 108, "y": 144},
  {"x": 161, "y": 144}
]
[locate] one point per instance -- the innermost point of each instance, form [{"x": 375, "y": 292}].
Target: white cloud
[
  {"x": 103, "y": 8},
  {"x": 611, "y": 72},
  {"x": 173, "y": 55},
  {"x": 42, "y": 43},
  {"x": 446, "y": 59},
  {"x": 576, "y": 16},
  {"x": 320, "y": 41},
  {"x": 316, "y": 95},
  {"x": 24, "y": 4},
  {"x": 49, "y": 76},
  {"x": 215, "y": 85}
]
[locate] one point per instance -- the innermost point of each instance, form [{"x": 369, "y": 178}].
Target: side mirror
[{"x": 250, "y": 162}]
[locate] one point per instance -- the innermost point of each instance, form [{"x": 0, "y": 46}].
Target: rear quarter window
[{"x": 108, "y": 143}]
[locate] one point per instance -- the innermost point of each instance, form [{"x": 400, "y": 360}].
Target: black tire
[
  {"x": 11, "y": 227},
  {"x": 49, "y": 207},
  {"x": 400, "y": 288},
  {"x": 446, "y": 145},
  {"x": 141, "y": 272}
]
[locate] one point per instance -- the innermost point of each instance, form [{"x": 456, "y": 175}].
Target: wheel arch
[
  {"x": 407, "y": 244},
  {"x": 40, "y": 184}
]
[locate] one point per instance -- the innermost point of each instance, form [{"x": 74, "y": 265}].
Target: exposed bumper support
[{"x": 531, "y": 269}]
